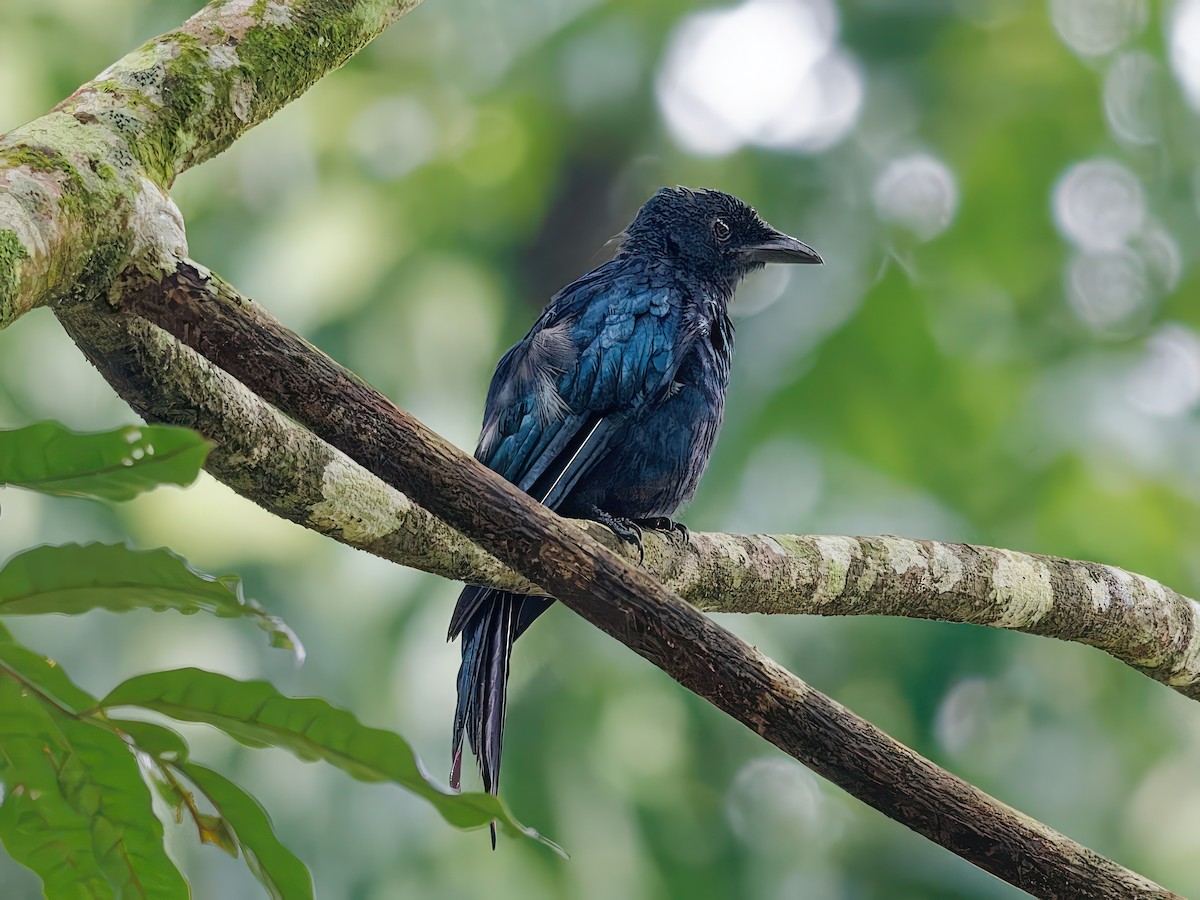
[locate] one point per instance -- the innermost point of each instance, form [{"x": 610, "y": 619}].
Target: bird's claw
[
  {"x": 632, "y": 530},
  {"x": 628, "y": 530},
  {"x": 663, "y": 523}
]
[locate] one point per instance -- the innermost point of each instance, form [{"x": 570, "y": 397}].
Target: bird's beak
[{"x": 782, "y": 248}]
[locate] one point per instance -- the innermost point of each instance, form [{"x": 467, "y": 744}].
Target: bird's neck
[{"x": 715, "y": 287}]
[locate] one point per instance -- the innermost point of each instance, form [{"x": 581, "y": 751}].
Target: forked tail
[{"x": 489, "y": 621}]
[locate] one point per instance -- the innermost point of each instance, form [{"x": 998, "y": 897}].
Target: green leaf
[
  {"x": 39, "y": 828},
  {"x": 283, "y": 875},
  {"x": 42, "y": 674},
  {"x": 75, "y": 578},
  {"x": 50, "y": 838},
  {"x": 163, "y": 743},
  {"x": 107, "y": 465},
  {"x": 74, "y": 782},
  {"x": 256, "y": 714}
]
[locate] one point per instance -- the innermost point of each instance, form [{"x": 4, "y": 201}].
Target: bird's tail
[
  {"x": 489, "y": 621},
  {"x": 487, "y": 639}
]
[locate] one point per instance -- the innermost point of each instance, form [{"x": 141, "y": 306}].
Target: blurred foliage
[
  {"x": 76, "y": 808},
  {"x": 1002, "y": 348}
]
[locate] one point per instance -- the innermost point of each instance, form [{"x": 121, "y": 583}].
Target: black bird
[{"x": 608, "y": 409}]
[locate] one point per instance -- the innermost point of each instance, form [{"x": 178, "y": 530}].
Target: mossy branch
[{"x": 81, "y": 188}]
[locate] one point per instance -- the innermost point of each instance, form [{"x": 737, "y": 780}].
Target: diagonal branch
[
  {"x": 621, "y": 599},
  {"x": 184, "y": 96},
  {"x": 290, "y": 472},
  {"x": 267, "y": 457}
]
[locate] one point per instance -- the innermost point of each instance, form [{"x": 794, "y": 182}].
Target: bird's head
[{"x": 715, "y": 236}]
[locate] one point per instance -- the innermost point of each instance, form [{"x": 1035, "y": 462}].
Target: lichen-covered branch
[
  {"x": 288, "y": 471},
  {"x": 1135, "y": 619},
  {"x": 267, "y": 457},
  {"x": 81, "y": 188},
  {"x": 185, "y": 96}
]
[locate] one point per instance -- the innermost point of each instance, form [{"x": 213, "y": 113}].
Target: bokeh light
[
  {"x": 779, "y": 808},
  {"x": 1099, "y": 205},
  {"x": 1166, "y": 381},
  {"x": 1185, "y": 47},
  {"x": 1131, "y": 98},
  {"x": 1107, "y": 289},
  {"x": 919, "y": 193},
  {"x": 1096, "y": 27},
  {"x": 768, "y": 72}
]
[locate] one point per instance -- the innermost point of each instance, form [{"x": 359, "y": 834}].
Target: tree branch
[
  {"x": 268, "y": 458},
  {"x": 621, "y": 599},
  {"x": 288, "y": 471},
  {"x": 81, "y": 188},
  {"x": 183, "y": 97}
]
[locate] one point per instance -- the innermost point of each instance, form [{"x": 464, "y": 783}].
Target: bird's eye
[{"x": 722, "y": 230}]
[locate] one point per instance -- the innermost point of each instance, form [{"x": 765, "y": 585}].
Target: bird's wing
[{"x": 561, "y": 397}]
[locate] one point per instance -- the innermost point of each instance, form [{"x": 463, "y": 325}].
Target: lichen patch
[
  {"x": 277, "y": 14},
  {"x": 1187, "y": 669},
  {"x": 157, "y": 224},
  {"x": 234, "y": 18},
  {"x": 1097, "y": 588},
  {"x": 241, "y": 95},
  {"x": 144, "y": 69},
  {"x": 352, "y": 503},
  {"x": 905, "y": 555},
  {"x": 16, "y": 218},
  {"x": 1022, "y": 589},
  {"x": 222, "y": 57},
  {"x": 837, "y": 554},
  {"x": 947, "y": 569}
]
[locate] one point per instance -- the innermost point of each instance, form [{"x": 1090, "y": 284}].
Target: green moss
[
  {"x": 342, "y": 30},
  {"x": 184, "y": 100},
  {"x": 188, "y": 110},
  {"x": 12, "y": 253},
  {"x": 265, "y": 48},
  {"x": 188, "y": 44},
  {"x": 36, "y": 157},
  {"x": 100, "y": 268},
  {"x": 172, "y": 108},
  {"x": 40, "y": 158},
  {"x": 132, "y": 97}
]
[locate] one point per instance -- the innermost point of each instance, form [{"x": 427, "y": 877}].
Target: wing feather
[{"x": 562, "y": 396}]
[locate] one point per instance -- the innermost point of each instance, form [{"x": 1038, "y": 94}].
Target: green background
[{"x": 1001, "y": 349}]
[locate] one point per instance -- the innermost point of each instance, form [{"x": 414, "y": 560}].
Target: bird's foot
[
  {"x": 632, "y": 530},
  {"x": 667, "y": 524},
  {"x": 627, "y": 530}
]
